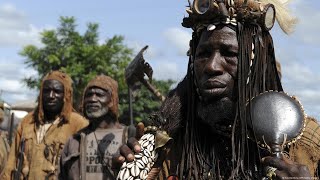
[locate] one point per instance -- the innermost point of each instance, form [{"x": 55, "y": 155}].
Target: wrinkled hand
[
  {"x": 128, "y": 150},
  {"x": 286, "y": 169}
]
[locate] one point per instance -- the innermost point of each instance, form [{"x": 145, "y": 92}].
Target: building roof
[{"x": 28, "y": 105}]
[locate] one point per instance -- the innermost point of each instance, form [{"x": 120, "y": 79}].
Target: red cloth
[{"x": 173, "y": 177}]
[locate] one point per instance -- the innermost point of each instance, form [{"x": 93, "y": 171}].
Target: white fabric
[{"x": 42, "y": 129}]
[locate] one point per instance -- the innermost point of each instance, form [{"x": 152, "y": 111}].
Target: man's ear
[{"x": 110, "y": 104}]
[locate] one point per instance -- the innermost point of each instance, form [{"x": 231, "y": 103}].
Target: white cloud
[
  {"x": 166, "y": 69},
  {"x": 310, "y": 95},
  {"x": 300, "y": 74},
  {"x": 11, "y": 86},
  {"x": 301, "y": 81},
  {"x": 310, "y": 99},
  {"x": 14, "y": 90},
  {"x": 11, "y": 18},
  {"x": 150, "y": 53},
  {"x": 307, "y": 29},
  {"x": 179, "y": 38},
  {"x": 15, "y": 30},
  {"x": 11, "y": 69},
  {"x": 11, "y": 98}
]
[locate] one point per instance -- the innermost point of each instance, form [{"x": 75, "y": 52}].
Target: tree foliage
[{"x": 83, "y": 57}]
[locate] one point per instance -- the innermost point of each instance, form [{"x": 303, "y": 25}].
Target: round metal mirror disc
[
  {"x": 274, "y": 115},
  {"x": 201, "y": 6}
]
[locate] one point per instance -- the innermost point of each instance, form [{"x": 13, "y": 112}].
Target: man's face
[
  {"x": 215, "y": 67},
  {"x": 216, "y": 62},
  {"x": 97, "y": 102},
  {"x": 52, "y": 96}
]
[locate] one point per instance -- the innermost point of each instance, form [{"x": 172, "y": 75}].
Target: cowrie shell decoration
[
  {"x": 211, "y": 27},
  {"x": 143, "y": 162}
]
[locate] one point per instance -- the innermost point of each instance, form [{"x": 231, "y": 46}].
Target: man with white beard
[{"x": 88, "y": 153}]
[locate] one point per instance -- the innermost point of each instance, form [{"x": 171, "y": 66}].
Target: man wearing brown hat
[
  {"x": 41, "y": 135},
  {"x": 88, "y": 153}
]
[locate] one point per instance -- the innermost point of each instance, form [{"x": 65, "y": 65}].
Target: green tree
[{"x": 83, "y": 57}]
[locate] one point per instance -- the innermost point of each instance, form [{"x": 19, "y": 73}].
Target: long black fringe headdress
[
  {"x": 255, "y": 76},
  {"x": 257, "y": 73}
]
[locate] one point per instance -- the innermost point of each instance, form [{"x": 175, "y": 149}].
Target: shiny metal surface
[{"x": 276, "y": 116}]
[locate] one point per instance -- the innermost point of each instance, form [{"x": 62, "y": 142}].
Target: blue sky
[{"x": 153, "y": 23}]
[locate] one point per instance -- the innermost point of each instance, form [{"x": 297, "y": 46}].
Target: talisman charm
[{"x": 143, "y": 162}]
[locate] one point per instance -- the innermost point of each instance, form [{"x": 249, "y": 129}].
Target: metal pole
[
  {"x": 130, "y": 105},
  {"x": 11, "y": 129}
]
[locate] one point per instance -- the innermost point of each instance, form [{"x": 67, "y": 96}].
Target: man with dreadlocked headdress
[
  {"x": 231, "y": 60},
  {"x": 44, "y": 131}
]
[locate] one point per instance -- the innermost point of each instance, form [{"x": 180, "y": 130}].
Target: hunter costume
[
  {"x": 41, "y": 159},
  {"x": 82, "y": 157}
]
